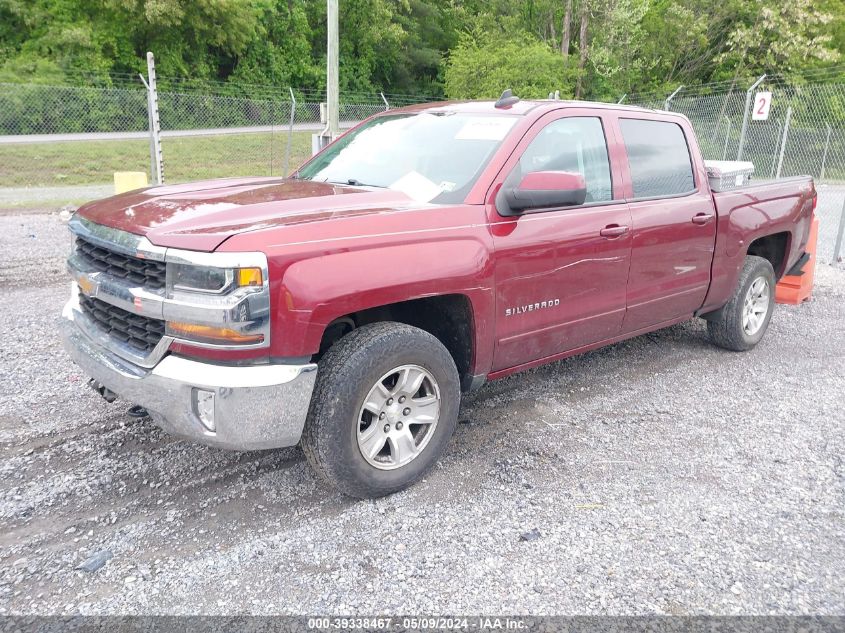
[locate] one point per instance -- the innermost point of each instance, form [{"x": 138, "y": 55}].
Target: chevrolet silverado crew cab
[{"x": 424, "y": 252}]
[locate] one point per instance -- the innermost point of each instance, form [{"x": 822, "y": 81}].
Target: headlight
[
  {"x": 217, "y": 299},
  {"x": 210, "y": 279}
]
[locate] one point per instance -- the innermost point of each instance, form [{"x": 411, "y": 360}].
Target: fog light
[{"x": 204, "y": 406}]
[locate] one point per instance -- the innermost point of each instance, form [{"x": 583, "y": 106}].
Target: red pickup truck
[{"x": 424, "y": 252}]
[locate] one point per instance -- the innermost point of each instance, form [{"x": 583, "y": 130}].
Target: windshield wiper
[{"x": 355, "y": 183}]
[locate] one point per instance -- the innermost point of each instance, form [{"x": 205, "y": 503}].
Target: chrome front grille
[
  {"x": 143, "y": 272},
  {"x": 140, "y": 332},
  {"x": 121, "y": 295}
]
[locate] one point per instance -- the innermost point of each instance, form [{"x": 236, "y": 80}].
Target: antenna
[{"x": 507, "y": 99}]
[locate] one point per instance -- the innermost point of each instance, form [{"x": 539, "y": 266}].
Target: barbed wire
[
  {"x": 122, "y": 80},
  {"x": 741, "y": 83}
]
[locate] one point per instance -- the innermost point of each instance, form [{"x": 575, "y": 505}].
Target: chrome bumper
[{"x": 255, "y": 407}]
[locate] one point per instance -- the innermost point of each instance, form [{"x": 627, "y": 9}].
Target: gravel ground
[{"x": 662, "y": 475}]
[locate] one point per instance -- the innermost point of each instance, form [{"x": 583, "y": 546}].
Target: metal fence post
[
  {"x": 386, "y": 104},
  {"x": 783, "y": 141},
  {"x": 837, "y": 248},
  {"x": 290, "y": 131},
  {"x": 749, "y": 93},
  {"x": 727, "y": 136},
  {"x": 622, "y": 98},
  {"x": 777, "y": 140},
  {"x": 150, "y": 128},
  {"x": 824, "y": 155},
  {"x": 155, "y": 122},
  {"x": 667, "y": 103}
]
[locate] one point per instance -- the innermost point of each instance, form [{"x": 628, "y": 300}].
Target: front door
[{"x": 561, "y": 272}]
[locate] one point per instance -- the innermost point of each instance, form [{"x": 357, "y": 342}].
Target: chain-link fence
[
  {"x": 803, "y": 134},
  {"x": 63, "y": 143},
  {"x": 206, "y": 136}
]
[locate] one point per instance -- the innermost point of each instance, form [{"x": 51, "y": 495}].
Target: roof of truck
[{"x": 521, "y": 107}]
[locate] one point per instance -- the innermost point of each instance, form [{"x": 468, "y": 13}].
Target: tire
[
  {"x": 728, "y": 327},
  {"x": 339, "y": 427}
]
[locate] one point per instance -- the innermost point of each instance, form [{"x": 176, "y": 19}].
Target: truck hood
[{"x": 202, "y": 215}]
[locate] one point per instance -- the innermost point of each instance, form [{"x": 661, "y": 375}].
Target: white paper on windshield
[
  {"x": 416, "y": 186},
  {"x": 491, "y": 128}
]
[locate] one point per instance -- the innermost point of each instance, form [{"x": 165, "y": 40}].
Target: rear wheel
[
  {"x": 743, "y": 321},
  {"x": 384, "y": 408}
]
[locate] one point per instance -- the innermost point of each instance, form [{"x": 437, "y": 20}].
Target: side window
[
  {"x": 658, "y": 157},
  {"x": 574, "y": 144}
]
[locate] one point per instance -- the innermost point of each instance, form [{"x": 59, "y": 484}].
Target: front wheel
[
  {"x": 384, "y": 408},
  {"x": 741, "y": 323}
]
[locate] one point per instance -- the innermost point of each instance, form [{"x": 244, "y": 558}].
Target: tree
[
  {"x": 98, "y": 37},
  {"x": 780, "y": 37},
  {"x": 582, "y": 46},
  {"x": 567, "y": 30},
  {"x": 483, "y": 68},
  {"x": 604, "y": 47}
]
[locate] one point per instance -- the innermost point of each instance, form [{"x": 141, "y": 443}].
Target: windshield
[{"x": 430, "y": 157}]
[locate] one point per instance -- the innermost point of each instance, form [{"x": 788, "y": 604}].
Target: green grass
[{"x": 185, "y": 158}]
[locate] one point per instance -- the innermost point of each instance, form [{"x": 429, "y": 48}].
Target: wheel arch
[
  {"x": 449, "y": 317},
  {"x": 774, "y": 248}
]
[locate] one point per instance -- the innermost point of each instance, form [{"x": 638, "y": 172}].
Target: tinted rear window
[{"x": 658, "y": 157}]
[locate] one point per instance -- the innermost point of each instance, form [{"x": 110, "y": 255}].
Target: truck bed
[{"x": 744, "y": 214}]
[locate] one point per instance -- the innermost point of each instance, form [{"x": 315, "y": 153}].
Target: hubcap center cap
[{"x": 393, "y": 412}]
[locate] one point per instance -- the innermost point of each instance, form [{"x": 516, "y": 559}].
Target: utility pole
[
  {"x": 332, "y": 90},
  {"x": 332, "y": 110}
]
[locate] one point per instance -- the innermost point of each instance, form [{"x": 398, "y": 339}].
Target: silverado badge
[{"x": 540, "y": 305}]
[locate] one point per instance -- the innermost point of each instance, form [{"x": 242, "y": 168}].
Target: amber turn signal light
[
  {"x": 250, "y": 277},
  {"x": 210, "y": 334}
]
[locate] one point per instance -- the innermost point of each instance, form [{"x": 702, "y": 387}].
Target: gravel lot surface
[{"x": 662, "y": 475}]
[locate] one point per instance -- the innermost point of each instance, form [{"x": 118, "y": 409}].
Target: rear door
[
  {"x": 560, "y": 274},
  {"x": 673, "y": 221}
]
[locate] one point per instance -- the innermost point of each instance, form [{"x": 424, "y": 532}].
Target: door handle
[
  {"x": 613, "y": 230},
  {"x": 702, "y": 218}
]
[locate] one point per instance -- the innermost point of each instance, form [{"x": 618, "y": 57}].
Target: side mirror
[{"x": 542, "y": 190}]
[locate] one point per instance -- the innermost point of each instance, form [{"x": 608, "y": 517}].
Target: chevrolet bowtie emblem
[{"x": 87, "y": 286}]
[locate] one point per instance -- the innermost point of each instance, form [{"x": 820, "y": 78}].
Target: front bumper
[{"x": 255, "y": 407}]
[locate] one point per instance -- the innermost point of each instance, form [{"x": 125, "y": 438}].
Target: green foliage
[
  {"x": 282, "y": 56},
  {"x": 781, "y": 37},
  {"x": 482, "y": 68},
  {"x": 461, "y": 48}
]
